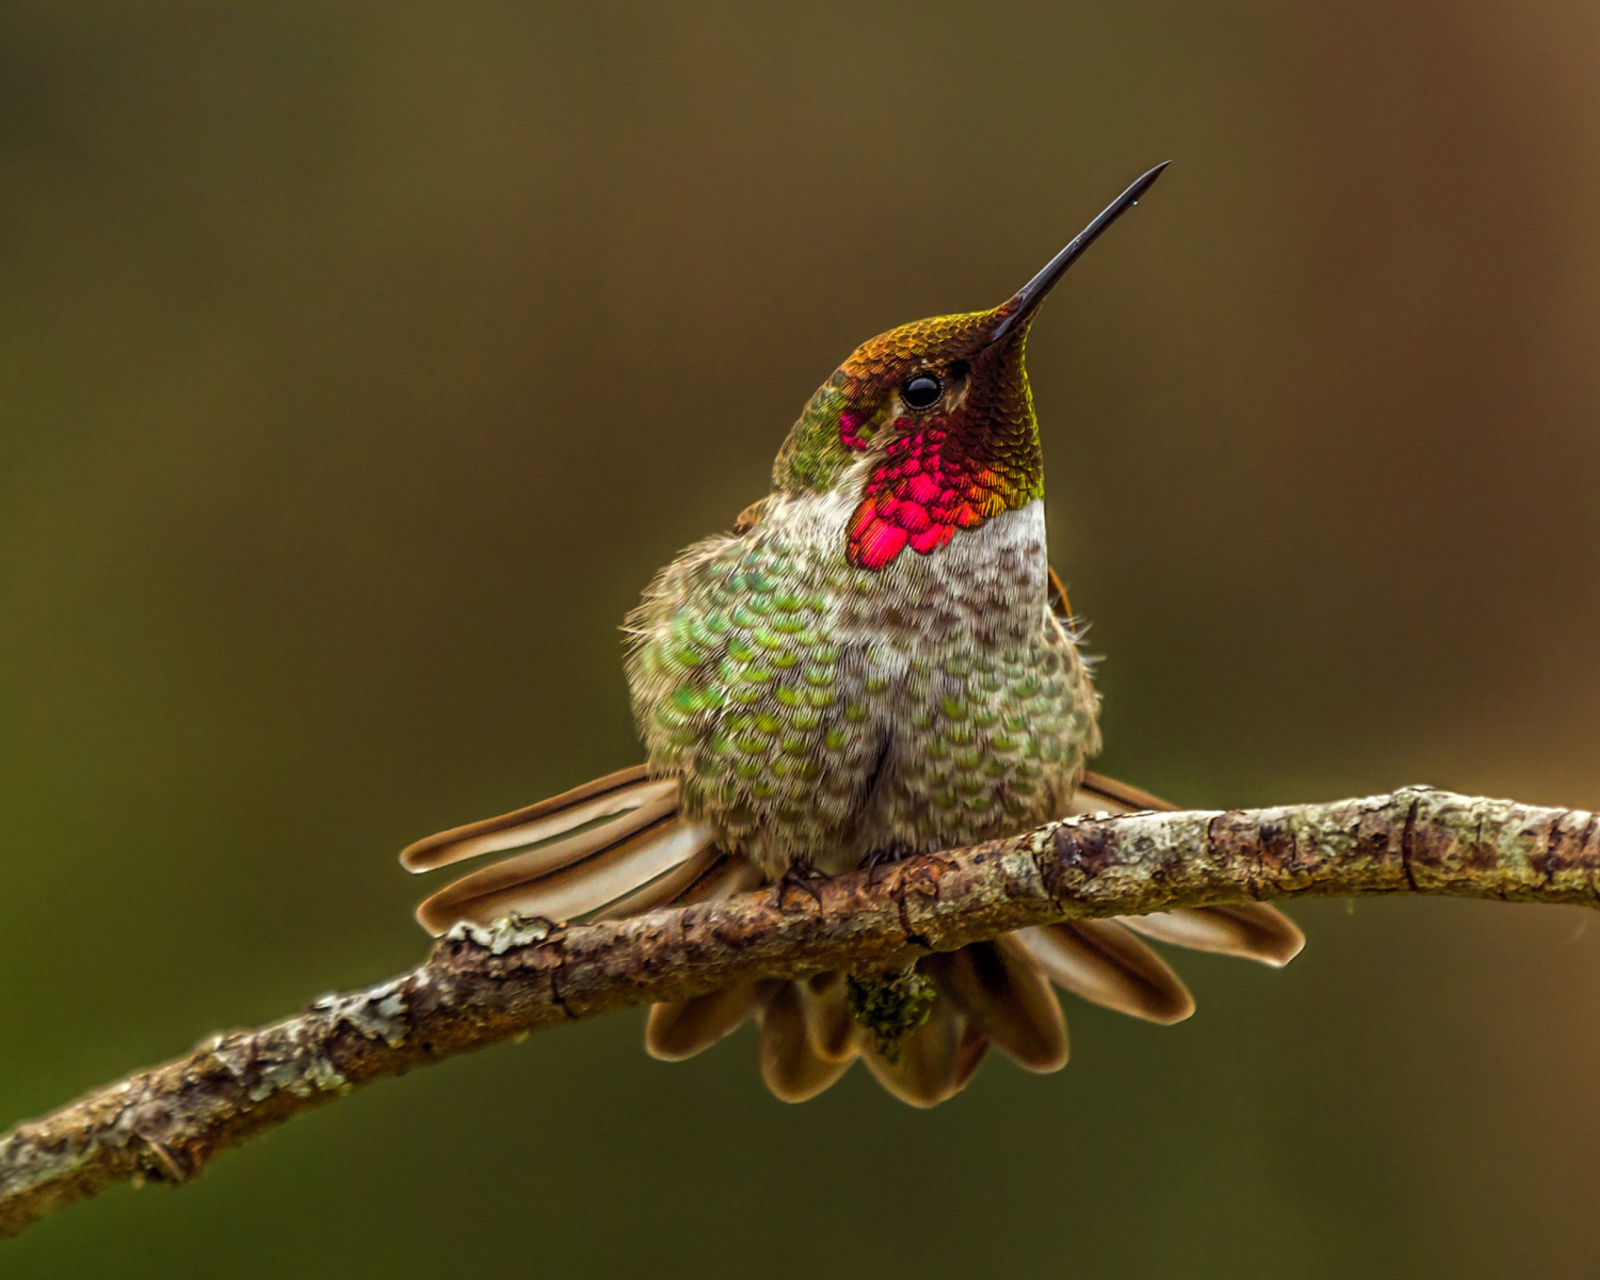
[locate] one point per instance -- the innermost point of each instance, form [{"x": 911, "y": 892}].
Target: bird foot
[
  {"x": 800, "y": 878},
  {"x": 874, "y": 863}
]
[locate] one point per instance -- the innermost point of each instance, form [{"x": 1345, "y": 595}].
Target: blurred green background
[{"x": 359, "y": 364}]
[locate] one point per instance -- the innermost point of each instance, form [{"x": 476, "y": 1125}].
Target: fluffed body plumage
[
  {"x": 817, "y": 712},
  {"x": 873, "y": 664}
]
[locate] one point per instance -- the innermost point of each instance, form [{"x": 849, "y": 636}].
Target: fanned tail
[{"x": 618, "y": 846}]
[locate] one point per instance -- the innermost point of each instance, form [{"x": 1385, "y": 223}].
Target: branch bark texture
[{"x": 482, "y": 986}]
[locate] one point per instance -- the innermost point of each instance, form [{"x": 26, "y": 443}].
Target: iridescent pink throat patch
[{"x": 926, "y": 487}]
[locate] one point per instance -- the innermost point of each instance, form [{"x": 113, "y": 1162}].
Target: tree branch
[{"x": 482, "y": 986}]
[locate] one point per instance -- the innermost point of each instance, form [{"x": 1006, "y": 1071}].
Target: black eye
[{"x": 921, "y": 390}]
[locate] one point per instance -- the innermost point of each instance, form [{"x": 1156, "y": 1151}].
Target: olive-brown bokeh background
[{"x": 360, "y": 363}]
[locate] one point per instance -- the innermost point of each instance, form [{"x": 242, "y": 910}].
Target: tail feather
[
  {"x": 1105, "y": 964},
  {"x": 790, "y": 1065},
  {"x": 1004, "y": 994},
  {"x": 684, "y": 1028},
  {"x": 971, "y": 1050},
  {"x": 835, "y": 1034},
  {"x": 935, "y": 1060},
  {"x": 1249, "y": 930}
]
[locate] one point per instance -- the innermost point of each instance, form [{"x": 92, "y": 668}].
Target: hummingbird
[{"x": 876, "y": 662}]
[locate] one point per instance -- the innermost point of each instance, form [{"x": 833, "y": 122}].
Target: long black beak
[{"x": 1027, "y": 299}]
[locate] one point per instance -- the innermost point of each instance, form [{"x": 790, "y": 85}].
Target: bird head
[{"x": 933, "y": 423}]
